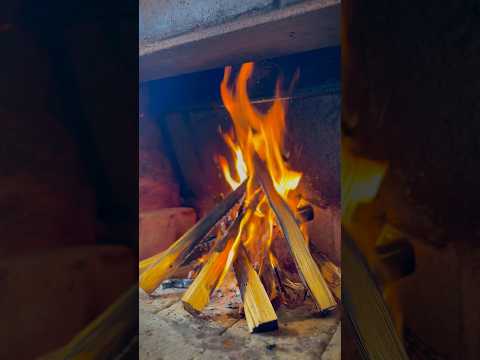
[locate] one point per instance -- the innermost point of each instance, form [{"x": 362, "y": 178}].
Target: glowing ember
[{"x": 260, "y": 133}]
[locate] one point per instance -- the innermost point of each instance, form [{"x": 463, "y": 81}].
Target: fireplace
[{"x": 190, "y": 147}]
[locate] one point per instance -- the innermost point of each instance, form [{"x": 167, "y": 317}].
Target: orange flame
[
  {"x": 260, "y": 133},
  {"x": 240, "y": 165},
  {"x": 361, "y": 179}
]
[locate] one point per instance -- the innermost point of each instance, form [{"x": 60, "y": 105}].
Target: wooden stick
[
  {"x": 144, "y": 264},
  {"x": 306, "y": 266},
  {"x": 366, "y": 310},
  {"x": 174, "y": 256},
  {"x": 303, "y": 214},
  {"x": 332, "y": 275},
  {"x": 104, "y": 335},
  {"x": 198, "y": 293},
  {"x": 269, "y": 279},
  {"x": 259, "y": 311}
]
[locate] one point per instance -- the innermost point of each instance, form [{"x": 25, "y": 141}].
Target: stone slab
[{"x": 167, "y": 331}]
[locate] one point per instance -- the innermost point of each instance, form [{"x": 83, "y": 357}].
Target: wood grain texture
[
  {"x": 306, "y": 266},
  {"x": 198, "y": 293},
  {"x": 259, "y": 311}
]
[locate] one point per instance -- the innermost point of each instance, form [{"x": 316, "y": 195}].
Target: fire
[
  {"x": 361, "y": 179},
  {"x": 240, "y": 165},
  {"x": 261, "y": 134},
  {"x": 256, "y": 132}
]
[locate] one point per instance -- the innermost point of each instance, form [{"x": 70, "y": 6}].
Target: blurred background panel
[
  {"x": 68, "y": 108},
  {"x": 411, "y": 102}
]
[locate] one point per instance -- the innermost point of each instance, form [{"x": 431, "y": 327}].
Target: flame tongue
[
  {"x": 256, "y": 132},
  {"x": 260, "y": 133}
]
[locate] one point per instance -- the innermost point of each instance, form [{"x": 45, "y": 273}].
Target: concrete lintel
[{"x": 296, "y": 28}]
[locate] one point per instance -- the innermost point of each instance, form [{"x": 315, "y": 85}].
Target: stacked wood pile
[{"x": 320, "y": 278}]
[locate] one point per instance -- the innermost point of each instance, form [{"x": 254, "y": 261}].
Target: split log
[
  {"x": 332, "y": 275},
  {"x": 205, "y": 245},
  {"x": 306, "y": 266},
  {"x": 144, "y": 264},
  {"x": 174, "y": 256},
  {"x": 259, "y": 311},
  {"x": 60, "y": 277},
  {"x": 107, "y": 334},
  {"x": 270, "y": 280},
  {"x": 198, "y": 293},
  {"x": 374, "y": 328}
]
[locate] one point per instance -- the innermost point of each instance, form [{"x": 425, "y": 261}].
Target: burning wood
[
  {"x": 261, "y": 174},
  {"x": 259, "y": 311},
  {"x": 332, "y": 275},
  {"x": 307, "y": 268},
  {"x": 270, "y": 279},
  {"x": 373, "y": 325},
  {"x": 198, "y": 294},
  {"x": 366, "y": 308},
  {"x": 171, "y": 259}
]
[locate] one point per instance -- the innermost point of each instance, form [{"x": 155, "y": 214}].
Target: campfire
[{"x": 262, "y": 213}]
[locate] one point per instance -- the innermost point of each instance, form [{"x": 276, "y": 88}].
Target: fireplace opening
[{"x": 240, "y": 199}]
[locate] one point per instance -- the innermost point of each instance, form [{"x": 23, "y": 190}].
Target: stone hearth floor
[{"x": 168, "y": 332}]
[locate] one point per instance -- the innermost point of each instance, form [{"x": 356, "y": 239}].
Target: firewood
[
  {"x": 332, "y": 275},
  {"x": 259, "y": 311},
  {"x": 206, "y": 243},
  {"x": 198, "y": 294},
  {"x": 269, "y": 279},
  {"x": 104, "y": 335},
  {"x": 57, "y": 272},
  {"x": 306, "y": 266},
  {"x": 303, "y": 214},
  {"x": 144, "y": 264},
  {"x": 366, "y": 309},
  {"x": 174, "y": 256}
]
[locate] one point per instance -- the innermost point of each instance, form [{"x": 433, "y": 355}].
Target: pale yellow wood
[
  {"x": 198, "y": 293},
  {"x": 101, "y": 336},
  {"x": 332, "y": 276},
  {"x": 306, "y": 265},
  {"x": 144, "y": 264},
  {"x": 259, "y": 311}
]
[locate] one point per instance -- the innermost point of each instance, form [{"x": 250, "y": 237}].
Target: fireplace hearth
[{"x": 240, "y": 231}]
